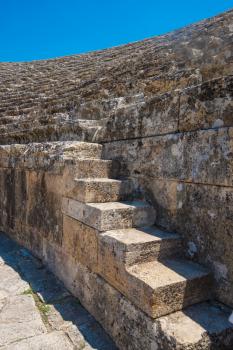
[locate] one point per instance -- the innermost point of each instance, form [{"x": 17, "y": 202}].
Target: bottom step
[{"x": 203, "y": 326}]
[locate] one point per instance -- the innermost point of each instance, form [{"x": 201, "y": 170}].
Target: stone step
[
  {"x": 88, "y": 122},
  {"x": 78, "y": 148},
  {"x": 95, "y": 168},
  {"x": 103, "y": 190},
  {"x": 68, "y": 152},
  {"x": 92, "y": 122},
  {"x": 160, "y": 288},
  {"x": 111, "y": 215},
  {"x": 201, "y": 326},
  {"x": 136, "y": 245}
]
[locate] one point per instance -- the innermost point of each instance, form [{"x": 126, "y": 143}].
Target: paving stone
[
  {"x": 75, "y": 336},
  {"x": 19, "y": 319},
  {"x": 95, "y": 337},
  {"x": 69, "y": 310},
  {"x": 11, "y": 283},
  {"x": 51, "y": 341},
  {"x": 21, "y": 324},
  {"x": 74, "y": 320},
  {"x": 43, "y": 282},
  {"x": 32, "y": 269},
  {"x": 8, "y": 250}
]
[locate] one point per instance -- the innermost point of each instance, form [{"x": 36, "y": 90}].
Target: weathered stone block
[
  {"x": 111, "y": 215},
  {"x": 202, "y": 214},
  {"x": 208, "y": 105},
  {"x": 202, "y": 156},
  {"x": 115, "y": 313},
  {"x": 157, "y": 115},
  {"x": 167, "y": 102},
  {"x": 80, "y": 241},
  {"x": 52, "y": 341},
  {"x": 103, "y": 190},
  {"x": 23, "y": 323}
]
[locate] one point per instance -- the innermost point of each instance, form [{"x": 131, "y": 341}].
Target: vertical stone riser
[{"x": 104, "y": 302}]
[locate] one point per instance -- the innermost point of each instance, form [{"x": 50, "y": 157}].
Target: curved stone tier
[
  {"x": 116, "y": 171},
  {"x": 45, "y": 100}
]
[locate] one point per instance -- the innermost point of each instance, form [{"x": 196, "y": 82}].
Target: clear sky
[{"x": 36, "y": 29}]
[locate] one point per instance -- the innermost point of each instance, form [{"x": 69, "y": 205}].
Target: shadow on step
[
  {"x": 211, "y": 317},
  {"x": 64, "y": 312}
]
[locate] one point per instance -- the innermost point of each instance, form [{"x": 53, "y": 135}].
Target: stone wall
[
  {"x": 179, "y": 149},
  {"x": 162, "y": 107},
  {"x": 33, "y": 180}
]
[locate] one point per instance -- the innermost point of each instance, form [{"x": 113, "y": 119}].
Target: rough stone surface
[
  {"x": 101, "y": 190},
  {"x": 69, "y": 97},
  {"x": 53, "y": 341},
  {"x": 116, "y": 313},
  {"x": 188, "y": 178},
  {"x": 80, "y": 242},
  {"x": 136, "y": 245},
  {"x": 19, "y": 319},
  {"x": 11, "y": 282},
  {"x": 30, "y": 320},
  {"x": 157, "y": 115},
  {"x": 111, "y": 215}
]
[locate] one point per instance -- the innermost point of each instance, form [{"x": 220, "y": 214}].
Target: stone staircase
[
  {"x": 143, "y": 262},
  {"x": 131, "y": 275}
]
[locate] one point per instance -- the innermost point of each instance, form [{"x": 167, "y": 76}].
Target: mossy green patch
[{"x": 41, "y": 306}]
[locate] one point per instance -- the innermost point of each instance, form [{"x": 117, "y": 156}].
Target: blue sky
[{"x": 37, "y": 29}]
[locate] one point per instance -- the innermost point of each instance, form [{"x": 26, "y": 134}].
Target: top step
[
  {"x": 51, "y": 150},
  {"x": 82, "y": 150}
]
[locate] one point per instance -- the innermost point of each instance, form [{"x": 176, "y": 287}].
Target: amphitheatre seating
[
  {"x": 105, "y": 159},
  {"x": 41, "y": 94}
]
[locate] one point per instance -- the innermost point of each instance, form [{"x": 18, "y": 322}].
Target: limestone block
[
  {"x": 158, "y": 115},
  {"x": 43, "y": 206},
  {"x": 94, "y": 168},
  {"x": 203, "y": 206},
  {"x": 194, "y": 211},
  {"x": 53, "y": 341},
  {"x": 208, "y": 105},
  {"x": 158, "y": 288},
  {"x": 19, "y": 319},
  {"x": 11, "y": 282},
  {"x": 119, "y": 249},
  {"x": 80, "y": 241},
  {"x": 115, "y": 313},
  {"x": 111, "y": 215},
  {"x": 99, "y": 190},
  {"x": 202, "y": 156}
]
